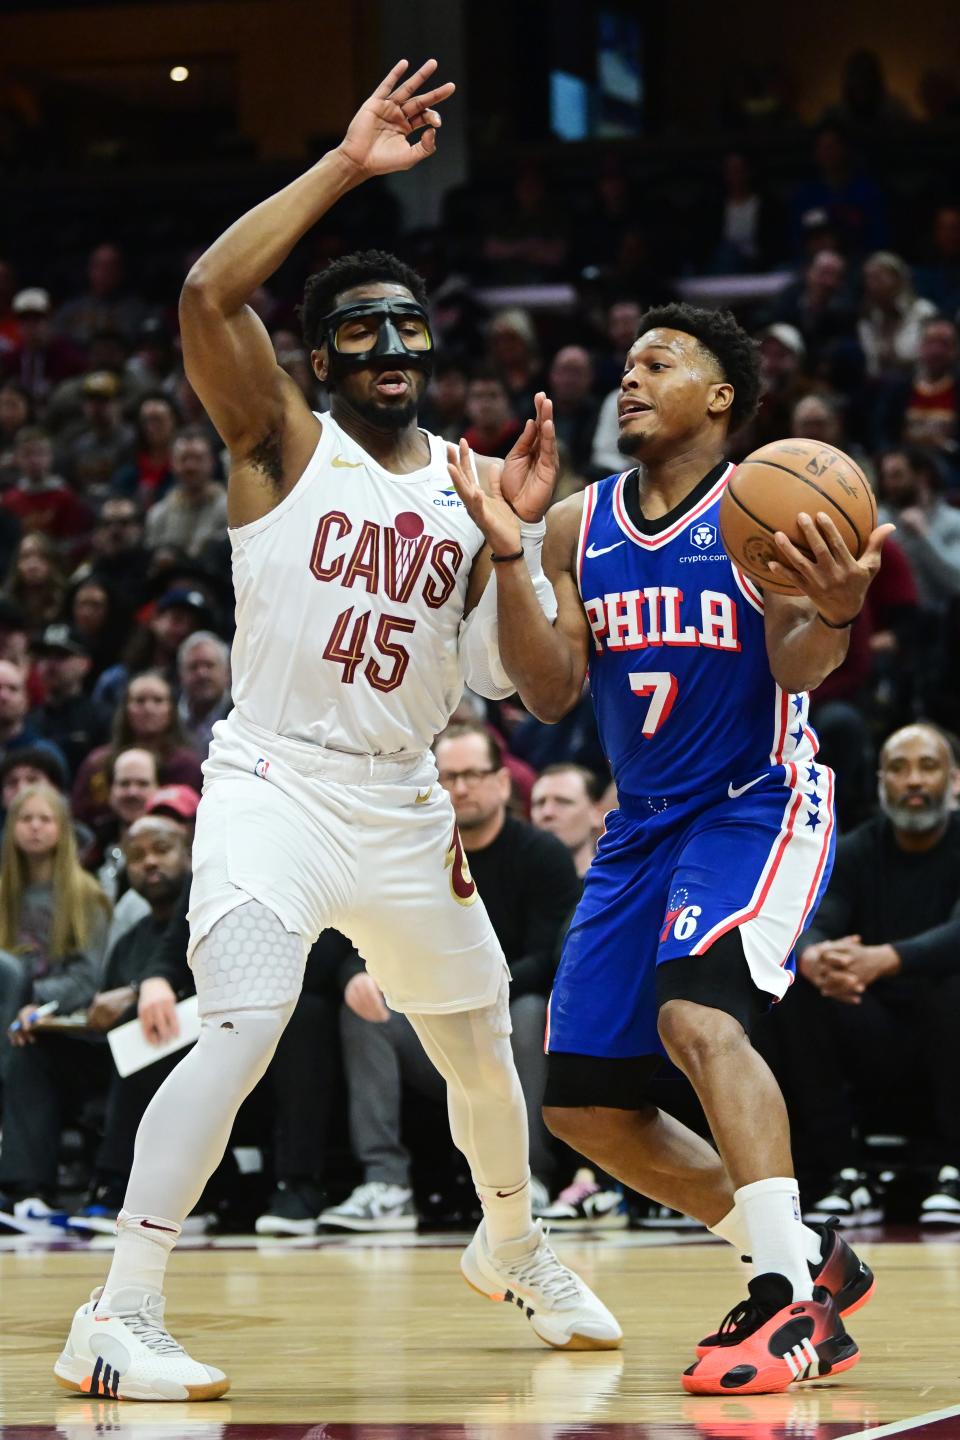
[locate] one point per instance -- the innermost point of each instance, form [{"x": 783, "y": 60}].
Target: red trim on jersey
[
  {"x": 814, "y": 742},
  {"x": 589, "y": 501},
  {"x": 653, "y": 542},
  {"x": 780, "y": 732}
]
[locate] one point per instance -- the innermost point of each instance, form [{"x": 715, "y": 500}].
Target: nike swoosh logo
[
  {"x": 505, "y": 1194},
  {"x": 149, "y": 1225},
  {"x": 734, "y": 790},
  {"x": 593, "y": 552},
  {"x": 423, "y": 797},
  {"x": 339, "y": 463}
]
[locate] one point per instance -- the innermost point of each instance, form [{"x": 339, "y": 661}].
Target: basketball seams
[
  {"x": 760, "y": 580},
  {"x": 775, "y": 465}
]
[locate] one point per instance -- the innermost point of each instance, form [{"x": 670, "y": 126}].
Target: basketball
[{"x": 770, "y": 488}]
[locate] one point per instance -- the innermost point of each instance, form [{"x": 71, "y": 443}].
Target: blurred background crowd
[{"x": 835, "y": 238}]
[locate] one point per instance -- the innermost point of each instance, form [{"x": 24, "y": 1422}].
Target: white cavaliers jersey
[{"x": 350, "y": 596}]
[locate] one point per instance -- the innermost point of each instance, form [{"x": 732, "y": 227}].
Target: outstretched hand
[
  {"x": 376, "y": 141},
  {"x": 829, "y": 575},
  {"x": 489, "y": 512},
  {"x": 529, "y": 472}
]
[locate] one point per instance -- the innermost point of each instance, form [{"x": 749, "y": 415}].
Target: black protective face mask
[{"x": 386, "y": 333}]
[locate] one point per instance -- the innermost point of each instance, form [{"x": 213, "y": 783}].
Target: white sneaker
[
  {"x": 373, "y": 1206},
  {"x": 563, "y": 1311},
  {"x": 850, "y": 1199},
  {"x": 942, "y": 1207},
  {"x": 583, "y": 1205},
  {"x": 128, "y": 1355}
]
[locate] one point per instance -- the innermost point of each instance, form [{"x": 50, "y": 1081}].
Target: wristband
[
  {"x": 500, "y": 559},
  {"x": 836, "y": 624},
  {"x": 532, "y": 530}
]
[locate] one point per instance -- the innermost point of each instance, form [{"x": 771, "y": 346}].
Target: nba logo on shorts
[
  {"x": 261, "y": 768},
  {"x": 703, "y": 536}
]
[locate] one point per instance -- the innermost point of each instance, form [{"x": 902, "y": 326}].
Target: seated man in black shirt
[
  {"x": 529, "y": 885},
  {"x": 869, "y": 1039},
  {"x": 68, "y": 716}
]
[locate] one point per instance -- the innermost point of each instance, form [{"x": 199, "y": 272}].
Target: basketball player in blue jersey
[{"x": 723, "y": 841}]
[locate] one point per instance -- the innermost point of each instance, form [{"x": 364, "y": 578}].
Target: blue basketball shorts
[{"x": 662, "y": 886}]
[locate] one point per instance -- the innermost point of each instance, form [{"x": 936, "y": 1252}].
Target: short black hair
[
  {"x": 38, "y": 757},
  {"x": 363, "y": 267},
  {"x": 717, "y": 332}
]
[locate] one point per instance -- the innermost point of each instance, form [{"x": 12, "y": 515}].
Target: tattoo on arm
[{"x": 267, "y": 457}]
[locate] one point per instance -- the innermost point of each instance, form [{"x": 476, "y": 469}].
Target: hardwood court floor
[{"x": 388, "y": 1333}]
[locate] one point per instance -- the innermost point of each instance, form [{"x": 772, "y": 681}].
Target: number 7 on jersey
[{"x": 661, "y": 686}]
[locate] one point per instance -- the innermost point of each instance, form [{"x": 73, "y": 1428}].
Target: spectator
[
  {"x": 117, "y": 552},
  {"x": 52, "y": 928},
  {"x": 68, "y": 717},
  {"x": 744, "y": 233},
  {"x": 33, "y": 765},
  {"x": 203, "y": 663},
  {"x": 42, "y": 359},
  {"x": 102, "y": 443},
  {"x": 818, "y": 305},
  {"x": 157, "y": 860},
  {"x": 15, "y": 732},
  {"x": 924, "y": 408},
  {"x": 195, "y": 508},
  {"x": 869, "y": 1038},
  {"x": 148, "y": 719},
  {"x": 566, "y": 803},
  {"x": 820, "y": 416},
  {"x": 891, "y": 316},
  {"x": 154, "y": 646},
  {"x": 514, "y": 353},
  {"x": 154, "y": 363},
  {"x": 36, "y": 583},
  {"x": 98, "y": 618},
  {"x": 445, "y": 412},
  {"x": 575, "y": 410},
  {"x": 927, "y": 528},
  {"x": 40, "y": 500},
  {"x": 867, "y": 111},
  {"x": 53, "y": 921},
  {"x": 107, "y": 353},
  {"x": 106, "y": 305},
  {"x": 527, "y": 241},
  {"x": 493, "y": 426},
  {"x": 939, "y": 279},
  {"x": 841, "y": 197},
  {"x": 149, "y": 475},
  {"x": 529, "y": 885},
  {"x": 783, "y": 380},
  {"x": 133, "y": 783},
  {"x": 621, "y": 324}
]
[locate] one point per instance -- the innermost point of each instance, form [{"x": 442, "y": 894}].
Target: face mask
[{"x": 386, "y": 333}]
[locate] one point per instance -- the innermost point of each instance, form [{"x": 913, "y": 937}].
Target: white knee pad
[{"x": 248, "y": 961}]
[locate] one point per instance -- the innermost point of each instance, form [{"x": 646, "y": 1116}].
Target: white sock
[
  {"x": 771, "y": 1210},
  {"x": 144, "y": 1243},
  {"x": 506, "y": 1212},
  {"x": 733, "y": 1229}
]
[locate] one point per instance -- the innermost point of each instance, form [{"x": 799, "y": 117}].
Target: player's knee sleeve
[{"x": 248, "y": 961}]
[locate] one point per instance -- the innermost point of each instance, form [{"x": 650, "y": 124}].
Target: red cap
[{"x": 181, "y": 799}]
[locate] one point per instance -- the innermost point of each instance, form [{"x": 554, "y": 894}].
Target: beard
[
  {"x": 919, "y": 820},
  {"x": 630, "y": 445},
  {"x": 385, "y": 417}
]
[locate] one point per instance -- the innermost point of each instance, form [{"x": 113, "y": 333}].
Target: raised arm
[
  {"x": 228, "y": 356},
  {"x": 546, "y": 662}
]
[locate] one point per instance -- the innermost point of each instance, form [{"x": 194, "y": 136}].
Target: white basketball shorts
[{"x": 367, "y": 845}]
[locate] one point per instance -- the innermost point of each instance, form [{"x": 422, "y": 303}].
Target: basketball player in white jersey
[{"x": 354, "y": 567}]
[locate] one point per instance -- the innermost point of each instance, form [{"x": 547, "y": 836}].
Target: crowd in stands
[{"x": 116, "y": 616}]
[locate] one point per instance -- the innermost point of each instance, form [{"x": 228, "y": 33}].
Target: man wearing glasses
[{"x": 528, "y": 883}]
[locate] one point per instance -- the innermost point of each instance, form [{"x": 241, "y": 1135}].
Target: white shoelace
[
  {"x": 542, "y": 1271},
  {"x": 370, "y": 1192},
  {"x": 150, "y": 1331}
]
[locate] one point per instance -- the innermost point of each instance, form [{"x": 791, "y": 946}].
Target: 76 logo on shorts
[{"x": 683, "y": 922}]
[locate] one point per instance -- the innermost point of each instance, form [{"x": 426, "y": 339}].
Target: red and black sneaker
[
  {"x": 773, "y": 1341},
  {"x": 840, "y": 1272}
]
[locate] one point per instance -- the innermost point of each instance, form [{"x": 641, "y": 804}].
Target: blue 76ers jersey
[{"x": 685, "y": 701}]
